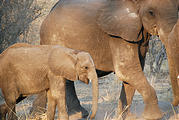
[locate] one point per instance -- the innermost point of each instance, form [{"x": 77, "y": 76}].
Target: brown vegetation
[{"x": 15, "y": 18}]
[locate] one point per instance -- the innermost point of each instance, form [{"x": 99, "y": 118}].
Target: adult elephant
[
  {"x": 173, "y": 59},
  {"x": 115, "y": 33}
]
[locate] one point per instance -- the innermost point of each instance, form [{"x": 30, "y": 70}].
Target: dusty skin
[
  {"x": 116, "y": 34},
  {"x": 27, "y": 69},
  {"x": 173, "y": 52}
]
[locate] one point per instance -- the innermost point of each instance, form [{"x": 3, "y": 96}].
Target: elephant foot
[
  {"x": 3, "y": 111},
  {"x": 131, "y": 116},
  {"x": 77, "y": 113},
  {"x": 63, "y": 117},
  {"x": 152, "y": 112},
  {"x": 175, "y": 101}
]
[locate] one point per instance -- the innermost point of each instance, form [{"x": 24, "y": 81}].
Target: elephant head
[
  {"x": 74, "y": 65},
  {"x": 86, "y": 71},
  {"x": 126, "y": 18}
]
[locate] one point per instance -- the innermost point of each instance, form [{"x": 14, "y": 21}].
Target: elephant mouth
[
  {"x": 84, "y": 80},
  {"x": 87, "y": 81},
  {"x": 119, "y": 37},
  {"x": 154, "y": 31},
  {"x": 114, "y": 36}
]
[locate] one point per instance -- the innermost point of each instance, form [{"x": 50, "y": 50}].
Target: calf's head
[{"x": 75, "y": 65}]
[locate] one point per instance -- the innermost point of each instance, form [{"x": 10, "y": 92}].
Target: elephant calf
[{"x": 27, "y": 69}]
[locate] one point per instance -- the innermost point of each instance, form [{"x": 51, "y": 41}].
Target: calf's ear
[{"x": 62, "y": 63}]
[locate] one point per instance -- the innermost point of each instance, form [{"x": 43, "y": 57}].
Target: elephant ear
[
  {"x": 62, "y": 62},
  {"x": 120, "y": 18}
]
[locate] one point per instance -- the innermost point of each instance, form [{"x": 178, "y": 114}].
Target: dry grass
[{"x": 40, "y": 117}]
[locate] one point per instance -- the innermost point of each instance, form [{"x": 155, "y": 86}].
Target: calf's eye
[
  {"x": 86, "y": 67},
  {"x": 151, "y": 13}
]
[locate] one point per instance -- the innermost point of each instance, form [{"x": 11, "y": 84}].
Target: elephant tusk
[
  {"x": 133, "y": 15},
  {"x": 90, "y": 81},
  {"x": 178, "y": 80},
  {"x": 161, "y": 32}
]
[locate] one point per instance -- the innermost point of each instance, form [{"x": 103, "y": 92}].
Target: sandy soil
[{"x": 109, "y": 90}]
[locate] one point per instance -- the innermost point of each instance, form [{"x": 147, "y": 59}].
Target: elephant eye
[
  {"x": 86, "y": 68},
  {"x": 151, "y": 13}
]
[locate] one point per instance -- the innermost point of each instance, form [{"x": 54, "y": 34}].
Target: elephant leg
[
  {"x": 127, "y": 68},
  {"x": 3, "y": 111},
  {"x": 61, "y": 103},
  {"x": 39, "y": 104},
  {"x": 175, "y": 86},
  {"x": 11, "y": 112},
  {"x": 73, "y": 104},
  {"x": 11, "y": 103},
  {"x": 10, "y": 100},
  {"x": 173, "y": 76},
  {"x": 51, "y": 106},
  {"x": 127, "y": 91},
  {"x": 56, "y": 95},
  {"x": 125, "y": 100},
  {"x": 151, "y": 110}
]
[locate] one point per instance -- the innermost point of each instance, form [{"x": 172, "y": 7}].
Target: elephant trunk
[{"x": 93, "y": 77}]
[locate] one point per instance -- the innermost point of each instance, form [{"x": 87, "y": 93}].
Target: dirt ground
[{"x": 109, "y": 90}]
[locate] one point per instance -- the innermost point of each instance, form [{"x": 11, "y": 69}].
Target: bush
[
  {"x": 15, "y": 18},
  {"x": 156, "y": 59}
]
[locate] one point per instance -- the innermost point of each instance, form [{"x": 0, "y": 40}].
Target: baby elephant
[{"x": 27, "y": 69}]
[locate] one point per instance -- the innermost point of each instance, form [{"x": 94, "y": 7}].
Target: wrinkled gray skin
[{"x": 115, "y": 33}]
